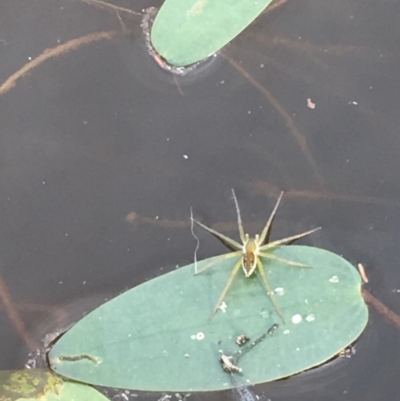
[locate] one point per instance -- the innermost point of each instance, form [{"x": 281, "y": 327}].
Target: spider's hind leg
[
  {"x": 282, "y": 260},
  {"x": 218, "y": 259},
  {"x": 226, "y": 288},
  {"x": 269, "y": 290}
]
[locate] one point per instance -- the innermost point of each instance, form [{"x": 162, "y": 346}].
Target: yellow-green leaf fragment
[
  {"x": 43, "y": 385},
  {"x": 159, "y": 337},
  {"x": 27, "y": 384}
]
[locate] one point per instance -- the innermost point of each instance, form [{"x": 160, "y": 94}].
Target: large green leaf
[
  {"x": 151, "y": 337},
  {"x": 186, "y": 32},
  {"x": 39, "y": 384}
]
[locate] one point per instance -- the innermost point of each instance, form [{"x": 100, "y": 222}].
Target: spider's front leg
[
  {"x": 282, "y": 241},
  {"x": 228, "y": 284},
  {"x": 222, "y": 237}
]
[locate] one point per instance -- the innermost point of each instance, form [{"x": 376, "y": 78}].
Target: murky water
[{"x": 102, "y": 154}]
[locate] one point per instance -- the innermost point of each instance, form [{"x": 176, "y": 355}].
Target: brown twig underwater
[
  {"x": 59, "y": 314},
  {"x": 133, "y": 218},
  {"x": 268, "y": 189},
  {"x": 273, "y": 5},
  {"x": 110, "y": 7},
  {"x": 225, "y": 226},
  {"x": 317, "y": 54},
  {"x": 299, "y": 137},
  {"x": 15, "y": 318},
  {"x": 390, "y": 316},
  {"x": 60, "y": 50}
]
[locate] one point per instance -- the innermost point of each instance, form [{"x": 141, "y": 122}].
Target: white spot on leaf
[
  {"x": 310, "y": 317},
  {"x": 296, "y": 319},
  {"x": 223, "y": 307},
  {"x": 279, "y": 291},
  {"x": 200, "y": 336},
  {"x": 334, "y": 279}
]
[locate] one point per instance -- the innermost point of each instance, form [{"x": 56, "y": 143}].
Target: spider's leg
[
  {"x": 268, "y": 288},
  {"x": 217, "y": 260},
  {"x": 239, "y": 218},
  {"x": 288, "y": 239},
  {"x": 282, "y": 260},
  {"x": 223, "y": 237},
  {"x": 267, "y": 227},
  {"x": 228, "y": 284}
]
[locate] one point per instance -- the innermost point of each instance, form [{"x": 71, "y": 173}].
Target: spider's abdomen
[
  {"x": 249, "y": 257},
  {"x": 249, "y": 261}
]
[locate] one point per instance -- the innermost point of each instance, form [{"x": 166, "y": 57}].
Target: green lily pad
[
  {"x": 159, "y": 336},
  {"x": 40, "y": 384},
  {"x": 186, "y": 32}
]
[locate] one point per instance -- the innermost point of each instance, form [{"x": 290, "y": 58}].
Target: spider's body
[{"x": 251, "y": 249}]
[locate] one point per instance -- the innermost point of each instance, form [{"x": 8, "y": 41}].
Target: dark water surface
[{"x": 102, "y": 154}]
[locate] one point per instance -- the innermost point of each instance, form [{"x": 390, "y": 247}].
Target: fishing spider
[{"x": 251, "y": 250}]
